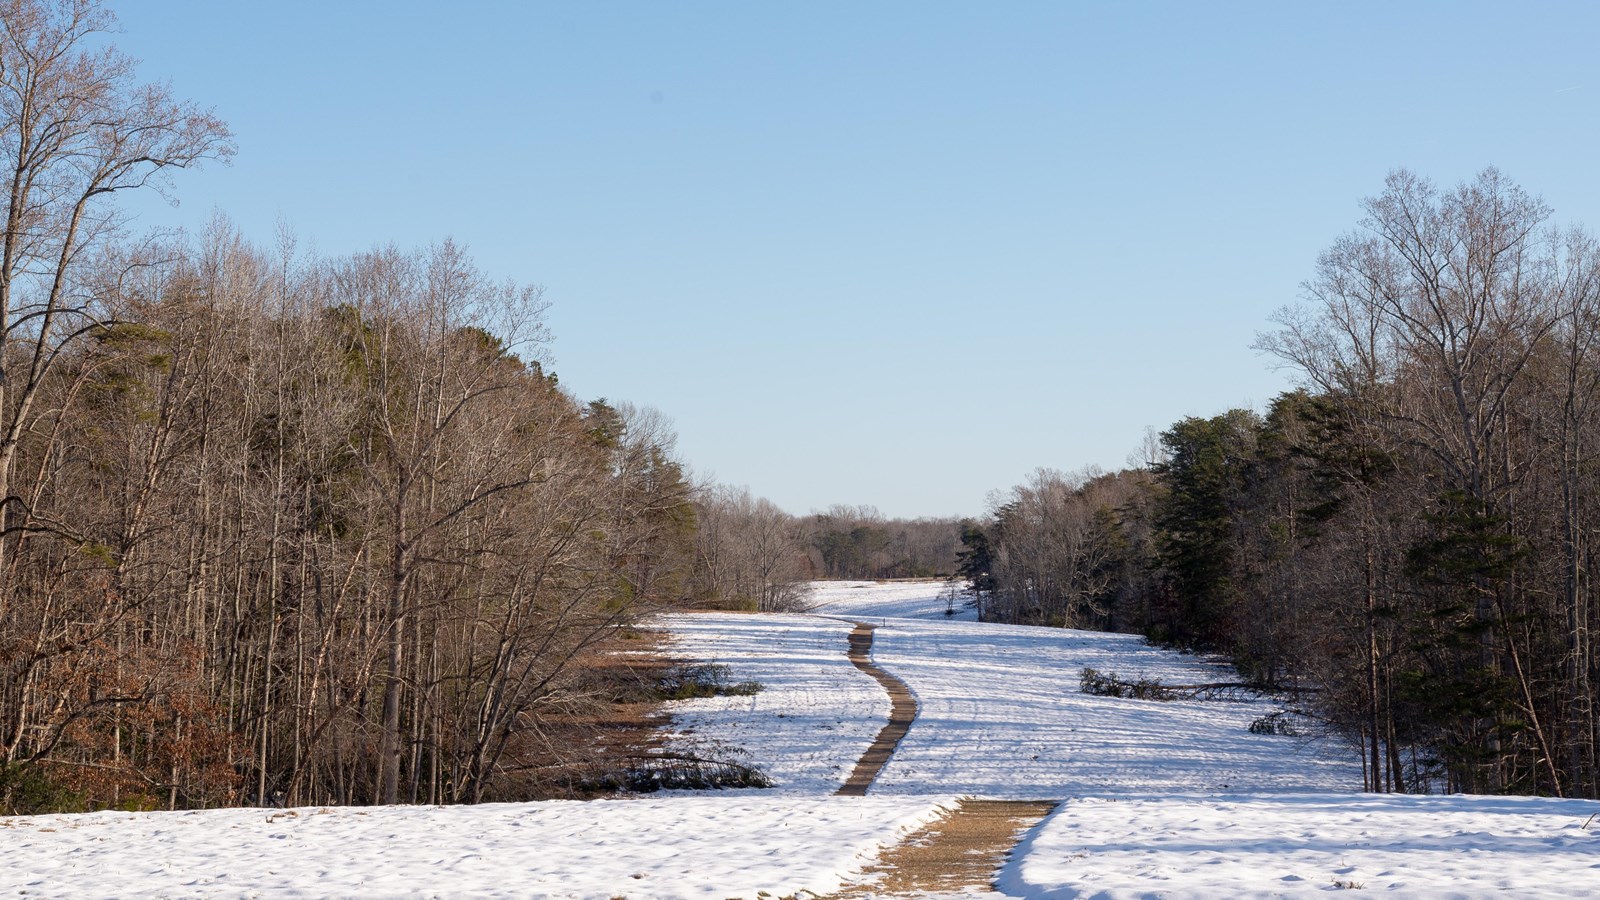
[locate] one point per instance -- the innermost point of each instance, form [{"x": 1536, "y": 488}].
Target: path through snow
[{"x": 999, "y": 710}]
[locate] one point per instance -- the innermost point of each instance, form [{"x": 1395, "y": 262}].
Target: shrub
[
  {"x": 1107, "y": 684},
  {"x": 690, "y": 680},
  {"x": 693, "y": 775},
  {"x": 27, "y": 791},
  {"x": 1280, "y": 722}
]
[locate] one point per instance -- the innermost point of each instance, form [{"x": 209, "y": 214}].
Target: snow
[
  {"x": 1240, "y": 846},
  {"x": 1000, "y": 711},
  {"x": 876, "y": 600},
  {"x": 815, "y": 714},
  {"x": 1159, "y": 798},
  {"x": 1001, "y": 715},
  {"x": 698, "y": 846}
]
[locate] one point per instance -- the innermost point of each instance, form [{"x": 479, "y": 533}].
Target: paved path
[{"x": 902, "y": 712}]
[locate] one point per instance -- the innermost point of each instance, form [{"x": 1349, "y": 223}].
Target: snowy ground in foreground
[
  {"x": 1227, "y": 846},
  {"x": 697, "y": 846}
]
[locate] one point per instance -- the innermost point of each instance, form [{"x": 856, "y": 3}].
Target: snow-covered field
[
  {"x": 877, "y": 601},
  {"x": 1161, "y": 799},
  {"x": 815, "y": 715},
  {"x": 1002, "y": 716},
  {"x": 716, "y": 846},
  {"x": 1178, "y": 799},
  {"x": 1260, "y": 846},
  {"x": 1000, "y": 713}
]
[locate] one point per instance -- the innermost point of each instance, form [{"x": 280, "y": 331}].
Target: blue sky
[{"x": 896, "y": 254}]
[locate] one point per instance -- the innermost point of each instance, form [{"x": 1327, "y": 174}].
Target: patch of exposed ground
[
  {"x": 960, "y": 853},
  {"x": 588, "y": 745}
]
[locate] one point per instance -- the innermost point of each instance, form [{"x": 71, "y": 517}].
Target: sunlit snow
[
  {"x": 710, "y": 846},
  {"x": 1265, "y": 846},
  {"x": 1000, "y": 714}
]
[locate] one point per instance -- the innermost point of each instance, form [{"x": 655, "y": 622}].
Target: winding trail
[
  {"x": 966, "y": 847},
  {"x": 902, "y": 712}
]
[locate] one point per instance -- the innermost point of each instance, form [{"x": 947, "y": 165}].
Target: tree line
[
  {"x": 311, "y": 529},
  {"x": 754, "y": 555},
  {"x": 1407, "y": 541},
  {"x": 277, "y": 527}
]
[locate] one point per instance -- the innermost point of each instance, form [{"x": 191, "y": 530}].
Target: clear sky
[{"x": 896, "y": 254}]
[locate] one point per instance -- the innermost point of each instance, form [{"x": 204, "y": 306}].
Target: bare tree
[
  {"x": 76, "y": 129},
  {"x": 751, "y": 552},
  {"x": 1429, "y": 318}
]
